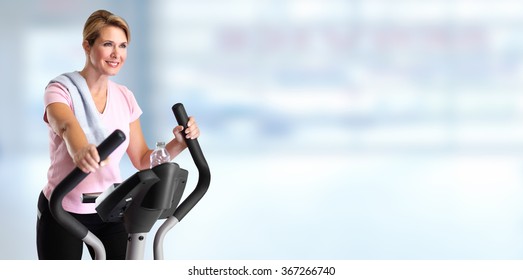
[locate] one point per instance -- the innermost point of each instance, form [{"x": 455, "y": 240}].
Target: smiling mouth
[{"x": 113, "y": 64}]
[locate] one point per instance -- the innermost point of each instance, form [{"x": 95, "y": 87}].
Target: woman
[{"x": 105, "y": 41}]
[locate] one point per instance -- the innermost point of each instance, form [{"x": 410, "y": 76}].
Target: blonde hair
[{"x": 101, "y": 19}]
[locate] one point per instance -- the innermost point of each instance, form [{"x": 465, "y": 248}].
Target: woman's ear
[{"x": 86, "y": 46}]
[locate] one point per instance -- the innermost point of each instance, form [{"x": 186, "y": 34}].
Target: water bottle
[{"x": 159, "y": 155}]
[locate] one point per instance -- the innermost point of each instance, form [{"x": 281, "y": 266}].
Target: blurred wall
[{"x": 334, "y": 129}]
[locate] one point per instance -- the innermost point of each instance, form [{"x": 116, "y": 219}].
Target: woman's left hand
[{"x": 191, "y": 131}]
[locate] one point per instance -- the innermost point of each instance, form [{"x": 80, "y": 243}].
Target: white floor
[{"x": 324, "y": 206}]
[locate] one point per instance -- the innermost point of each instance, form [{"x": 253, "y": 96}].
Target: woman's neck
[{"x": 96, "y": 82}]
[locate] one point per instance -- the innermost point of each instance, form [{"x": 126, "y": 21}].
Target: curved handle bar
[
  {"x": 204, "y": 175},
  {"x": 74, "y": 178}
]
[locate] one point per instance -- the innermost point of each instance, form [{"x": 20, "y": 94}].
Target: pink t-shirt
[{"x": 121, "y": 109}]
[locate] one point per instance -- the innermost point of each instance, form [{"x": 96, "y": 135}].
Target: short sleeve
[
  {"x": 134, "y": 108},
  {"x": 56, "y": 92}
]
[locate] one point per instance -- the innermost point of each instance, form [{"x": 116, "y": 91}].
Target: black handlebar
[
  {"x": 74, "y": 178},
  {"x": 204, "y": 175}
]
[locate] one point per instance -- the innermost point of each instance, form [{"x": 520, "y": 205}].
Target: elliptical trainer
[{"x": 142, "y": 199}]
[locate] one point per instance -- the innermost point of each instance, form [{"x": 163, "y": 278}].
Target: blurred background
[{"x": 334, "y": 129}]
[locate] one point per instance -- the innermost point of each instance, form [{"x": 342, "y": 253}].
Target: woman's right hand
[{"x": 87, "y": 159}]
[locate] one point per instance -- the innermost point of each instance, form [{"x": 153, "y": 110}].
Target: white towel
[{"x": 83, "y": 105}]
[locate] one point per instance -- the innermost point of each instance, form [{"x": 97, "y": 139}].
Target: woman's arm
[
  {"x": 63, "y": 122},
  {"x": 139, "y": 153}
]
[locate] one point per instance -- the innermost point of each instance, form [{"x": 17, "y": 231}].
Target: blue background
[{"x": 334, "y": 129}]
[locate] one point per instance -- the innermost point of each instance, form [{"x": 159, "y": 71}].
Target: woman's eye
[
  {"x": 123, "y": 46},
  {"x": 108, "y": 44}
]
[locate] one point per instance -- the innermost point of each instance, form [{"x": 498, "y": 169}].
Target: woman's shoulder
[
  {"x": 56, "y": 86},
  {"x": 56, "y": 92},
  {"x": 119, "y": 88},
  {"x": 121, "y": 94}
]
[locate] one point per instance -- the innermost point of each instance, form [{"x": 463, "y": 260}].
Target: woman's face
[{"x": 109, "y": 51}]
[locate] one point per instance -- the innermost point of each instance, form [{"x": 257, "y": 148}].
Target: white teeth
[{"x": 113, "y": 64}]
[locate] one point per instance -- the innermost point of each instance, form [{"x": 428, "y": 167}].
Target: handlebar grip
[
  {"x": 110, "y": 144},
  {"x": 72, "y": 180},
  {"x": 204, "y": 175},
  {"x": 180, "y": 114}
]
